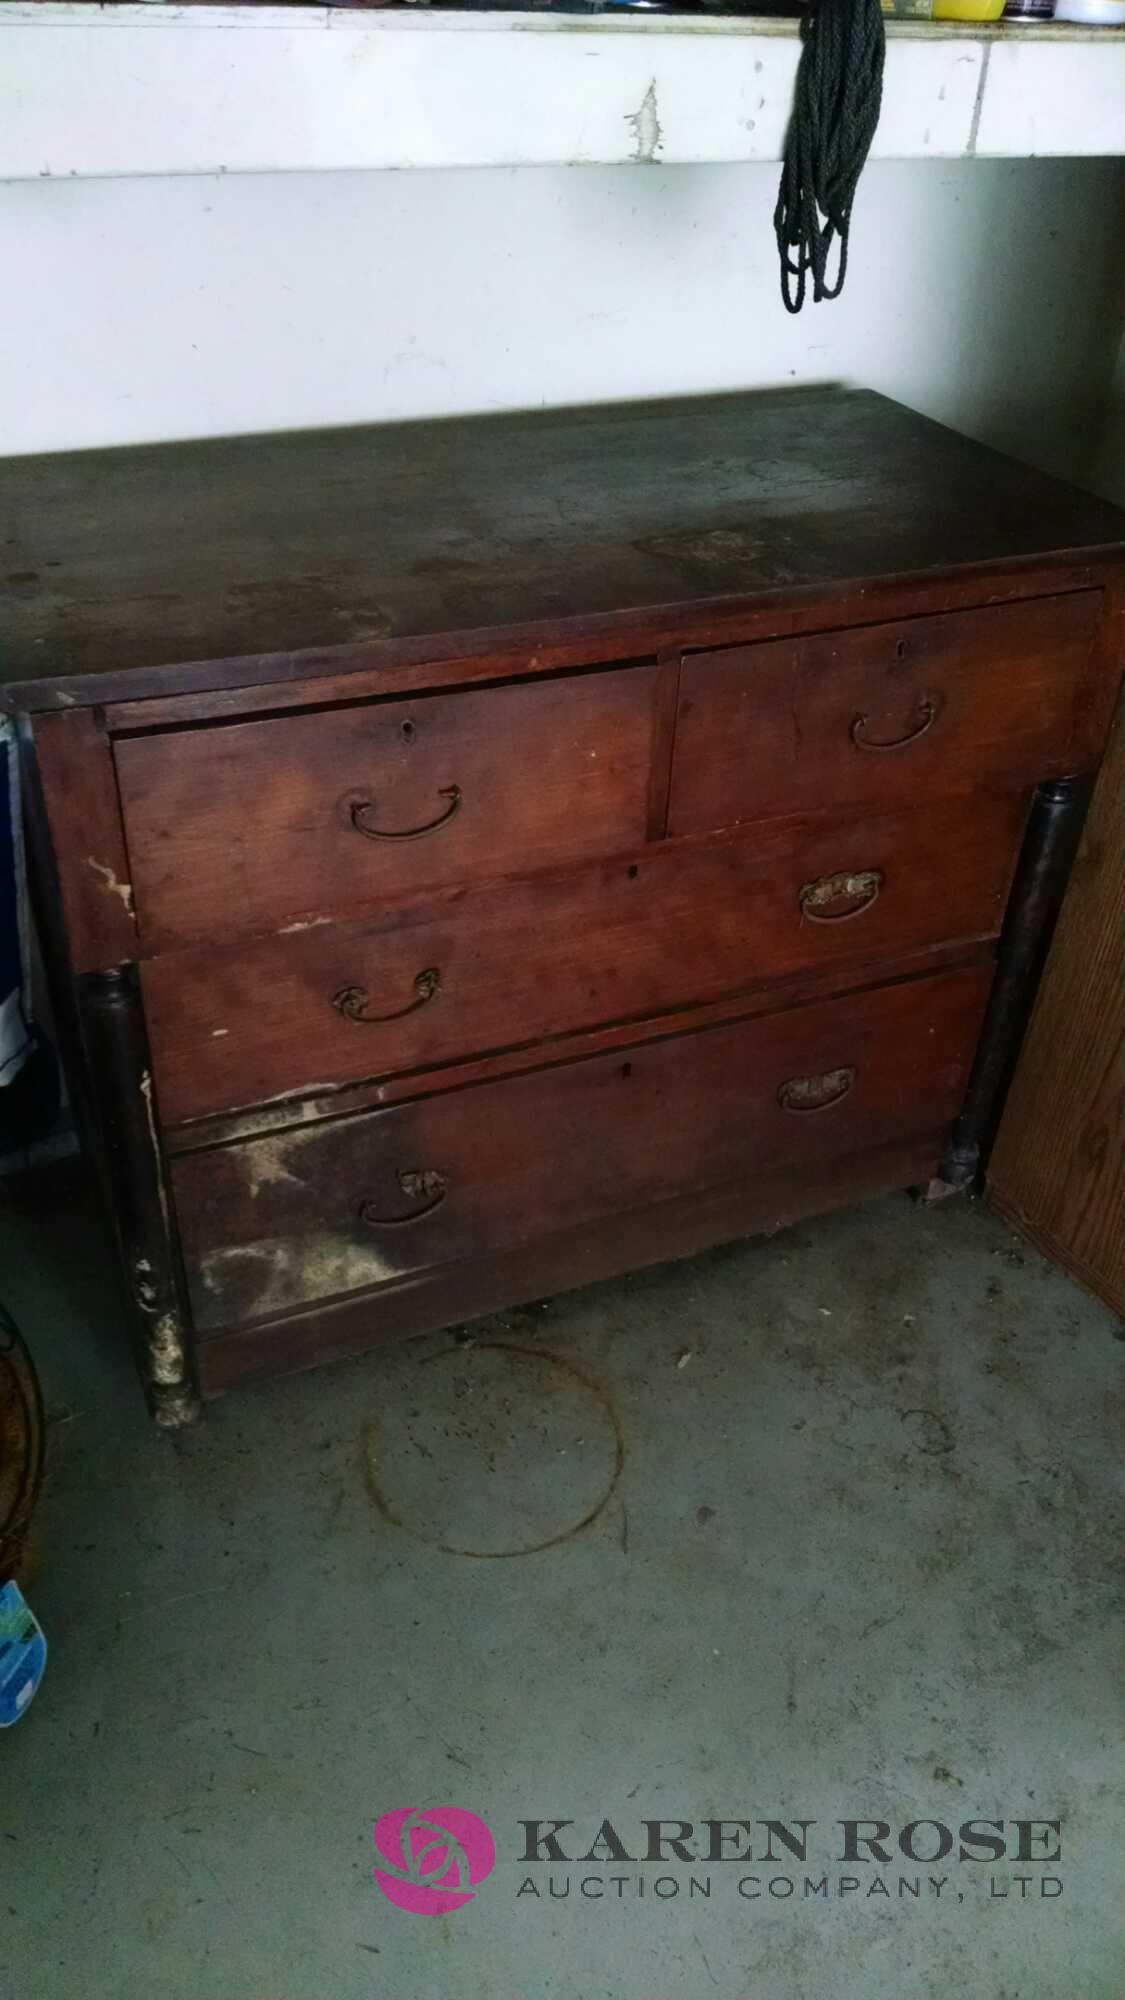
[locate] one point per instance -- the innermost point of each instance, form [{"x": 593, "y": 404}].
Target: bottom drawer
[{"x": 269, "y": 1225}]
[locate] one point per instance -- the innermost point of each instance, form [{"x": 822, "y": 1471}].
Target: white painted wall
[
  {"x": 987, "y": 293},
  {"x": 143, "y": 89}
]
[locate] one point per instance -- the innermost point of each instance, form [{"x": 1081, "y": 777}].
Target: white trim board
[{"x": 161, "y": 89}]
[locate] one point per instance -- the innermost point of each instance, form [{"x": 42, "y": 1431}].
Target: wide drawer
[
  {"x": 884, "y": 714},
  {"x": 235, "y": 828},
  {"x": 270, "y": 1224},
  {"x": 681, "y": 924}
]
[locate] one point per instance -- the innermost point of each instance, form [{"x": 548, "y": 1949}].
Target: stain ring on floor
[{"x": 392, "y": 1512}]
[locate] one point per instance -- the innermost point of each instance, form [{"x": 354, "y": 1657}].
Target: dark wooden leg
[
  {"x": 46, "y": 904},
  {"x": 1054, "y": 828},
  {"x": 131, "y": 1158}
]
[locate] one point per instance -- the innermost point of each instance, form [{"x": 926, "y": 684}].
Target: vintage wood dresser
[{"x": 480, "y": 856}]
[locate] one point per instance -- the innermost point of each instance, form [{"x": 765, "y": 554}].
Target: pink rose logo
[{"x": 431, "y": 1859}]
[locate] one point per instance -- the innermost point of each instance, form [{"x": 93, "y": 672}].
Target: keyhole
[
  {"x": 408, "y": 732},
  {"x": 900, "y": 649}
]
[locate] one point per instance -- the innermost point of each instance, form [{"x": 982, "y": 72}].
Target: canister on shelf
[
  {"x": 968, "y": 10},
  {"x": 1092, "y": 13}
]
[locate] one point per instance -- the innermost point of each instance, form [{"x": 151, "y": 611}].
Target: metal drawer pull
[
  {"x": 927, "y": 714},
  {"x": 361, "y": 807},
  {"x": 352, "y": 1001},
  {"x": 430, "y": 1186},
  {"x": 815, "y": 897},
  {"x": 816, "y": 1093}
]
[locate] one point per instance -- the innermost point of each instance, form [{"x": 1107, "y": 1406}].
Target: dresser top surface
[{"x": 146, "y": 557}]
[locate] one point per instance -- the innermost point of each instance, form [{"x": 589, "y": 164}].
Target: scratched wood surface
[
  {"x": 540, "y": 959},
  {"x": 236, "y": 827},
  {"x": 328, "y": 1208},
  {"x": 1058, "y": 1168},
  {"x": 426, "y": 1300},
  {"x": 453, "y": 722},
  {"x": 339, "y": 539},
  {"x": 87, "y": 864},
  {"x": 898, "y": 712}
]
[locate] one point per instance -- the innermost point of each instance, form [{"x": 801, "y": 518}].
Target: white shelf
[{"x": 162, "y": 89}]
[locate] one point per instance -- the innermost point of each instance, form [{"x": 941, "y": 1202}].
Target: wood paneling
[{"x": 1058, "y": 1168}]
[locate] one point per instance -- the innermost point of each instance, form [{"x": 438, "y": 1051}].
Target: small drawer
[
  {"x": 269, "y": 1225},
  {"x": 886, "y": 714},
  {"x": 678, "y": 925},
  {"x": 235, "y": 828}
]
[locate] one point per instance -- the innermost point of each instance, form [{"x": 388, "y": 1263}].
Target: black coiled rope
[{"x": 835, "y": 112}]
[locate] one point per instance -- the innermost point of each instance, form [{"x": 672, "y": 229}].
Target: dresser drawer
[
  {"x": 319, "y": 1210},
  {"x": 235, "y": 828},
  {"x": 884, "y": 714},
  {"x": 680, "y": 925}
]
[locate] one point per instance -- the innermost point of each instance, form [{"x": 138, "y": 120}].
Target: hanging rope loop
[{"x": 835, "y": 111}]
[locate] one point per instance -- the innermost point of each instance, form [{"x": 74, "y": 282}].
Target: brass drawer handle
[
  {"x": 352, "y": 1001},
  {"x": 927, "y": 715},
  {"x": 815, "y": 897},
  {"x": 816, "y": 1093},
  {"x": 430, "y": 1186},
  {"x": 361, "y": 807}
]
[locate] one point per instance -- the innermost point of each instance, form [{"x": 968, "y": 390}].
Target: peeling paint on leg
[
  {"x": 166, "y": 1357},
  {"x": 166, "y": 1351},
  {"x": 174, "y": 1409},
  {"x": 157, "y": 1156},
  {"x": 144, "y": 1290},
  {"x": 647, "y": 130}
]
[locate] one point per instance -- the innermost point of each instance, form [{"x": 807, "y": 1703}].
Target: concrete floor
[{"x": 857, "y": 1565}]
